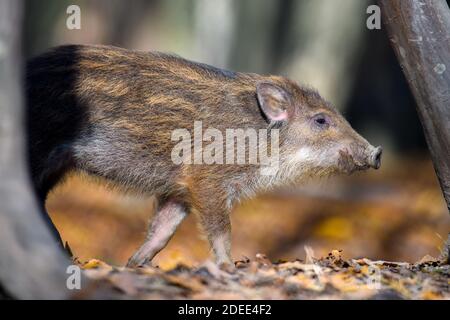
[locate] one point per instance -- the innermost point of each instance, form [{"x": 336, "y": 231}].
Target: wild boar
[{"x": 112, "y": 113}]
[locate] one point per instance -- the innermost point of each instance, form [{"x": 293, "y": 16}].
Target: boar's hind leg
[
  {"x": 162, "y": 227},
  {"x": 46, "y": 172}
]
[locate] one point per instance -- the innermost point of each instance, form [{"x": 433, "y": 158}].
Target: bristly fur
[{"x": 110, "y": 112}]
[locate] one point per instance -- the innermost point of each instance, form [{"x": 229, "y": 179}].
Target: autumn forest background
[{"x": 395, "y": 213}]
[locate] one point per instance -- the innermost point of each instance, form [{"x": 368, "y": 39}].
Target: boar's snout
[
  {"x": 360, "y": 157},
  {"x": 375, "y": 157}
]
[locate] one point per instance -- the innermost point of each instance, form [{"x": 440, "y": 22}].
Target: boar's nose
[{"x": 375, "y": 157}]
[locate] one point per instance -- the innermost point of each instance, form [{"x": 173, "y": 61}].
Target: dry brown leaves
[{"x": 331, "y": 277}]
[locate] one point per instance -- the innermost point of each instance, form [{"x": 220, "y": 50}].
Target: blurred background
[{"x": 395, "y": 213}]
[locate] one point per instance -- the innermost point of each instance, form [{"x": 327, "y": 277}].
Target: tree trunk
[
  {"x": 31, "y": 263},
  {"x": 419, "y": 32}
]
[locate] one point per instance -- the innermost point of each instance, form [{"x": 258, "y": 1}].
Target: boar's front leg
[
  {"x": 162, "y": 227},
  {"x": 215, "y": 222}
]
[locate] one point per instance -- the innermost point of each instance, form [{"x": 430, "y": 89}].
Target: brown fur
[{"x": 110, "y": 112}]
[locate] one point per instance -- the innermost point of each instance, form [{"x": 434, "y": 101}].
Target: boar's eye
[{"x": 321, "y": 121}]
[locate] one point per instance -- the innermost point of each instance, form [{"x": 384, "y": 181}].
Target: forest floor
[
  {"x": 394, "y": 214},
  {"x": 330, "y": 277}
]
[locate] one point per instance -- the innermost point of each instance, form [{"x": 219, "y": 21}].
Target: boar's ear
[{"x": 273, "y": 101}]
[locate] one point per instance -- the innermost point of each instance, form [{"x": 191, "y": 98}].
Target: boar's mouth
[{"x": 348, "y": 163}]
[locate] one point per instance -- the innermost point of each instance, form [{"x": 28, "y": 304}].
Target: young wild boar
[{"x": 111, "y": 113}]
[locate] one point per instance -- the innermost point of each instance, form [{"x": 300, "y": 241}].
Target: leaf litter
[{"x": 330, "y": 277}]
